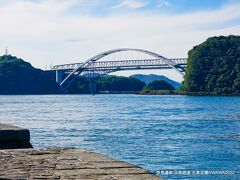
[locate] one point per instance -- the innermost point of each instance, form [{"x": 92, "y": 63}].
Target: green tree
[
  {"x": 119, "y": 83},
  {"x": 159, "y": 85},
  {"x": 107, "y": 83},
  {"x": 214, "y": 66},
  {"x": 79, "y": 86}
]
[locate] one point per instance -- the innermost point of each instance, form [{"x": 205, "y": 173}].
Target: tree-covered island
[{"x": 214, "y": 67}]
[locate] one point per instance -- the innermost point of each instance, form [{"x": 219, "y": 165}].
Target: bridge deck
[{"x": 123, "y": 63}]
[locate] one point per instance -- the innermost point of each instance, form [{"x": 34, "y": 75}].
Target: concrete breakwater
[{"x": 62, "y": 163}]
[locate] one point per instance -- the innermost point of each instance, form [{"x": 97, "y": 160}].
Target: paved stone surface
[
  {"x": 66, "y": 164},
  {"x": 14, "y": 137}
]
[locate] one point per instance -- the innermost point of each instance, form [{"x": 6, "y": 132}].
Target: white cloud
[
  {"x": 41, "y": 32},
  {"x": 162, "y": 3},
  {"x": 131, "y": 4}
]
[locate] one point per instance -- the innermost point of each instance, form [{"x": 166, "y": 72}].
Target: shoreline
[
  {"x": 153, "y": 92},
  {"x": 172, "y": 92}
]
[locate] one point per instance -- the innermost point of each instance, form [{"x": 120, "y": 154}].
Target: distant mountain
[{"x": 153, "y": 77}]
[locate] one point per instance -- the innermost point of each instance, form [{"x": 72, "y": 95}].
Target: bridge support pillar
[
  {"x": 59, "y": 76},
  {"x": 92, "y": 87}
]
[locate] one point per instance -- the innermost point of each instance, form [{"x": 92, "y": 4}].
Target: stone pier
[
  {"x": 67, "y": 164},
  {"x": 59, "y": 163}
]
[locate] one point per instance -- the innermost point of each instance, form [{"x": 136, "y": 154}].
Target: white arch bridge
[{"x": 116, "y": 60}]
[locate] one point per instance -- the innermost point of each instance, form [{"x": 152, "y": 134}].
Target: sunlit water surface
[{"x": 154, "y": 132}]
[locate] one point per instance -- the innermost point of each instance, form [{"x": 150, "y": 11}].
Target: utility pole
[{"x": 6, "y": 54}]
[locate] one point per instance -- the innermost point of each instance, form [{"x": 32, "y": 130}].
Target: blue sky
[
  {"x": 108, "y": 7},
  {"x": 48, "y": 32}
]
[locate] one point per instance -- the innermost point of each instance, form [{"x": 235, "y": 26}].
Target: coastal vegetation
[
  {"x": 214, "y": 67},
  {"x": 79, "y": 86},
  {"x": 159, "y": 85},
  {"x": 108, "y": 83},
  {"x": 20, "y": 77},
  {"x": 119, "y": 83}
]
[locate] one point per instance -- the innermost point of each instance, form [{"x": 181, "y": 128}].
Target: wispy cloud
[
  {"x": 74, "y": 40},
  {"x": 131, "y": 4},
  {"x": 162, "y": 3}
]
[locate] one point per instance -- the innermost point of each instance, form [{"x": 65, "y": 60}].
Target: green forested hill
[
  {"x": 159, "y": 85},
  {"x": 108, "y": 83},
  {"x": 119, "y": 83},
  {"x": 214, "y": 66},
  {"x": 20, "y": 77}
]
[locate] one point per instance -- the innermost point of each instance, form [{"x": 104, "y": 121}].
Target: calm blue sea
[{"x": 164, "y": 134}]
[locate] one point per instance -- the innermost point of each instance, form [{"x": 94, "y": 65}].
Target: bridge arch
[{"x": 76, "y": 72}]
